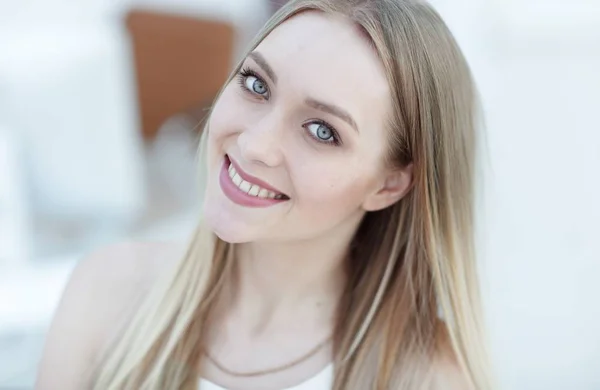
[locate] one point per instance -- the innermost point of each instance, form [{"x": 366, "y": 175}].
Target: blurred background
[{"x": 100, "y": 102}]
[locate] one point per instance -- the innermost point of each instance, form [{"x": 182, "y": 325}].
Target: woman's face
[{"x": 297, "y": 138}]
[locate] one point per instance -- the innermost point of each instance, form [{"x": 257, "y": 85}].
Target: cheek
[
  {"x": 224, "y": 112},
  {"x": 225, "y": 121},
  {"x": 332, "y": 193}
]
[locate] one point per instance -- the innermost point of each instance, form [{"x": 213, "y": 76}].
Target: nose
[{"x": 261, "y": 142}]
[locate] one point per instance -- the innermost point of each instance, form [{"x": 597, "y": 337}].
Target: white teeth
[
  {"x": 245, "y": 186},
  {"x": 263, "y": 193},
  {"x": 254, "y": 190},
  {"x": 250, "y": 189}
]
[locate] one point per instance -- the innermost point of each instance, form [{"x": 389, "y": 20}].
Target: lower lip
[{"x": 238, "y": 196}]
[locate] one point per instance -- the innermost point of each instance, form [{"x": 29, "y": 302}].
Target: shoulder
[
  {"x": 447, "y": 372},
  {"x": 113, "y": 277},
  {"x": 103, "y": 291},
  {"x": 124, "y": 265}
]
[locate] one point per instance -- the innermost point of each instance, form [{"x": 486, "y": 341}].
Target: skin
[
  {"x": 290, "y": 254},
  {"x": 289, "y": 275},
  {"x": 101, "y": 295},
  {"x": 311, "y": 56}
]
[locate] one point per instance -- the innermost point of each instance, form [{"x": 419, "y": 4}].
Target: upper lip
[{"x": 252, "y": 179}]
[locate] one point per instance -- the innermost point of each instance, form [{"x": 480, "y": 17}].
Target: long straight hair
[{"x": 410, "y": 263}]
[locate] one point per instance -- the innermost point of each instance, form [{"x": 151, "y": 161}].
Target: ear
[{"x": 394, "y": 185}]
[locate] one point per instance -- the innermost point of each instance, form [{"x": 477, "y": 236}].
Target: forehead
[{"x": 325, "y": 57}]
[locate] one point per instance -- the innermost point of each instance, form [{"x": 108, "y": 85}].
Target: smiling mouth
[{"x": 248, "y": 185}]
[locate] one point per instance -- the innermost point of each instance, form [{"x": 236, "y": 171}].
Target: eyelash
[
  {"x": 245, "y": 72},
  {"x": 336, "y": 138}
]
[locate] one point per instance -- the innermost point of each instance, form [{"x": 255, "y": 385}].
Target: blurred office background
[{"x": 100, "y": 103}]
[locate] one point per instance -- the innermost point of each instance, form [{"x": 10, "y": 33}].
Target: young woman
[{"x": 336, "y": 244}]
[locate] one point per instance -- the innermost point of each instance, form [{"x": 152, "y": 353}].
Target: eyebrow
[
  {"x": 333, "y": 110},
  {"x": 260, "y": 60}
]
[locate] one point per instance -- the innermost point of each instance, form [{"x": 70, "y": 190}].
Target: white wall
[
  {"x": 544, "y": 249},
  {"x": 538, "y": 68}
]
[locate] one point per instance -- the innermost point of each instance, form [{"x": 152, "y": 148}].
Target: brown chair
[{"x": 181, "y": 62}]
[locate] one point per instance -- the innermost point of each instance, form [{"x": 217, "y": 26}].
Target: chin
[
  {"x": 230, "y": 235},
  {"x": 226, "y": 226},
  {"x": 231, "y": 221}
]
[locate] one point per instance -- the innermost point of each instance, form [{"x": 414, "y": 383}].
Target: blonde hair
[{"x": 408, "y": 262}]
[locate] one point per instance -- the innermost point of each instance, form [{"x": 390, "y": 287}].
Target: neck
[
  {"x": 288, "y": 273},
  {"x": 276, "y": 284}
]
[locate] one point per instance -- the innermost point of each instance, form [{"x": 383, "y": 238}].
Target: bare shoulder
[
  {"x": 103, "y": 291},
  {"x": 128, "y": 264},
  {"x": 448, "y": 374}
]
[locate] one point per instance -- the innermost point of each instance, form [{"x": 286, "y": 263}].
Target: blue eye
[
  {"x": 252, "y": 83},
  {"x": 256, "y": 85},
  {"x": 320, "y": 131},
  {"x": 323, "y": 133}
]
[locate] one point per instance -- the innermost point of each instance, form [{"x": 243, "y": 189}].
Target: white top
[{"x": 322, "y": 381}]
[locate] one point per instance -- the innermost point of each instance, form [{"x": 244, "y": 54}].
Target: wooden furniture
[{"x": 181, "y": 63}]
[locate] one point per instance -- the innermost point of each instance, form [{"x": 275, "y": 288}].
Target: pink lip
[{"x": 240, "y": 197}]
